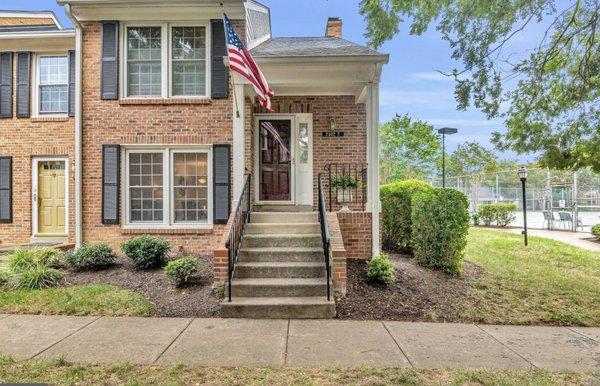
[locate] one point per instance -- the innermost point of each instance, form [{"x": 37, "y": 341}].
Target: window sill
[
  {"x": 166, "y": 231},
  {"x": 60, "y": 118},
  {"x": 164, "y": 101}
]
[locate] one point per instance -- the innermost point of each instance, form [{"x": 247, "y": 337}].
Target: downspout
[{"x": 78, "y": 124}]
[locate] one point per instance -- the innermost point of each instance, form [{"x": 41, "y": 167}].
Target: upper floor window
[
  {"x": 53, "y": 84},
  {"x": 166, "y": 61}
]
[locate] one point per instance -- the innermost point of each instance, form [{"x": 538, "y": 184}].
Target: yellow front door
[{"x": 51, "y": 197}]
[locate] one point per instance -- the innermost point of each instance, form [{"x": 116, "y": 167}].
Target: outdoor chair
[
  {"x": 549, "y": 219},
  {"x": 567, "y": 219}
]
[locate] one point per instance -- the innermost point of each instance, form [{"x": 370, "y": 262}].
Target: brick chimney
[{"x": 334, "y": 28}]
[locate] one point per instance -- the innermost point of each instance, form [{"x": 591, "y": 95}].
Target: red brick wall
[
  {"x": 159, "y": 122},
  {"x": 357, "y": 234},
  {"x": 24, "y": 139}
]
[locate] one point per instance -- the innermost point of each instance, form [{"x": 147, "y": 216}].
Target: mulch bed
[
  {"x": 192, "y": 300},
  {"x": 418, "y": 294}
]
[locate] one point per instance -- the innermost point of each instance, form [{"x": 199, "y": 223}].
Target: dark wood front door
[{"x": 275, "y": 160}]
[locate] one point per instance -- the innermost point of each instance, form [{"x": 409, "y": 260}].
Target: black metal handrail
[
  {"x": 358, "y": 171},
  {"x": 236, "y": 233},
  {"x": 324, "y": 234}
]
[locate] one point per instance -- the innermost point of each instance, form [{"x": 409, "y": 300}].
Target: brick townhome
[{"x": 159, "y": 136}]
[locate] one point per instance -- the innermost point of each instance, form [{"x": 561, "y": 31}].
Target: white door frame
[
  {"x": 34, "y": 194},
  {"x": 305, "y": 186},
  {"x": 275, "y": 117}
]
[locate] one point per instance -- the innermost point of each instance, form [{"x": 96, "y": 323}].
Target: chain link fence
[{"x": 554, "y": 199}]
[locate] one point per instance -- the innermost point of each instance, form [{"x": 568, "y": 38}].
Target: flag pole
[{"x": 237, "y": 108}]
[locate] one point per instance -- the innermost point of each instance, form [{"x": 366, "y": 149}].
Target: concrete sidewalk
[
  {"x": 322, "y": 343},
  {"x": 577, "y": 239}
]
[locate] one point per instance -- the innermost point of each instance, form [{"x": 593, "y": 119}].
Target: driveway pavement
[{"x": 323, "y": 343}]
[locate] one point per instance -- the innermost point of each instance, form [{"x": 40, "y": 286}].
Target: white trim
[
  {"x": 166, "y": 63},
  {"x": 256, "y": 139},
  {"x": 168, "y": 207},
  {"x": 34, "y": 194},
  {"x": 373, "y": 201},
  {"x": 238, "y": 143},
  {"x": 35, "y": 76}
]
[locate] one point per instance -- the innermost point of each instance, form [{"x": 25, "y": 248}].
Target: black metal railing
[
  {"x": 355, "y": 196},
  {"x": 324, "y": 234},
  {"x": 236, "y": 233}
]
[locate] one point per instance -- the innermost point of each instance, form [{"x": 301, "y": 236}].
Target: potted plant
[{"x": 344, "y": 184}]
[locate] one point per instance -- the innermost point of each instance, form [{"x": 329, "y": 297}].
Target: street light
[
  {"x": 445, "y": 131},
  {"x": 523, "y": 177}
]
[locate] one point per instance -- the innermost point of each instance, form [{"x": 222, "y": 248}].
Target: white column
[
  {"x": 374, "y": 166},
  {"x": 369, "y": 108},
  {"x": 238, "y": 148}
]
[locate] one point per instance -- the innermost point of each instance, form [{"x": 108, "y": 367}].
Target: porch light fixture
[
  {"x": 445, "y": 131},
  {"x": 332, "y": 124},
  {"x": 523, "y": 176}
]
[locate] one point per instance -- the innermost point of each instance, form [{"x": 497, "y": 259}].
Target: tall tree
[
  {"x": 409, "y": 149},
  {"x": 554, "y": 108}
]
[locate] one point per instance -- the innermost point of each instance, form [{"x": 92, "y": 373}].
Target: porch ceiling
[{"x": 327, "y": 77}]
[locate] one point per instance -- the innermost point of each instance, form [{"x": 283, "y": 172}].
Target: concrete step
[
  {"x": 279, "y": 287},
  {"x": 280, "y": 228},
  {"x": 283, "y": 208},
  {"x": 283, "y": 240},
  {"x": 251, "y": 270},
  {"x": 281, "y": 254},
  {"x": 283, "y": 217},
  {"x": 279, "y": 308}
]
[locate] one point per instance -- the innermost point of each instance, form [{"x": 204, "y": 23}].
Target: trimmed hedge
[
  {"x": 179, "y": 271},
  {"x": 91, "y": 257},
  {"x": 502, "y": 213},
  {"x": 596, "y": 230},
  {"x": 396, "y": 222},
  {"x": 381, "y": 269},
  {"x": 147, "y": 252},
  {"x": 440, "y": 220}
]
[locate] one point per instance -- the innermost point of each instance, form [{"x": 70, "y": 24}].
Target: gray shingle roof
[{"x": 310, "y": 46}]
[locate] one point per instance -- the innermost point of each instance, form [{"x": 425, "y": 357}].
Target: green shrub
[
  {"x": 440, "y": 220},
  {"x": 32, "y": 269},
  {"x": 396, "y": 201},
  {"x": 381, "y": 269},
  {"x": 91, "y": 257},
  {"x": 502, "y": 213},
  {"x": 345, "y": 181},
  {"x": 180, "y": 270},
  {"x": 476, "y": 219},
  {"x": 147, "y": 252},
  {"x": 596, "y": 230}
]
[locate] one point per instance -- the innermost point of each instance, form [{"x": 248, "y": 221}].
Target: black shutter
[
  {"x": 71, "y": 83},
  {"x": 6, "y": 84},
  {"x": 110, "y": 61},
  {"x": 5, "y": 189},
  {"x": 222, "y": 185},
  {"x": 111, "y": 155},
  {"x": 220, "y": 72},
  {"x": 23, "y": 84}
]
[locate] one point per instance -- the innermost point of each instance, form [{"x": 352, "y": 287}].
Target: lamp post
[
  {"x": 445, "y": 131},
  {"x": 523, "y": 177}
]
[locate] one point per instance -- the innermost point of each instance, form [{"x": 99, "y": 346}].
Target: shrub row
[
  {"x": 596, "y": 230},
  {"x": 501, "y": 214},
  {"x": 430, "y": 223},
  {"x": 32, "y": 269}
]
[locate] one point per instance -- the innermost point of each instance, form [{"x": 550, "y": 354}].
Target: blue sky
[{"x": 410, "y": 83}]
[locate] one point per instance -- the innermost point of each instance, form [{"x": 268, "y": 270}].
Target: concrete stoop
[{"x": 281, "y": 270}]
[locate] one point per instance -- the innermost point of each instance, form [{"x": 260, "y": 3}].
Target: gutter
[
  {"x": 65, "y": 33},
  {"x": 78, "y": 125},
  {"x": 381, "y": 58}
]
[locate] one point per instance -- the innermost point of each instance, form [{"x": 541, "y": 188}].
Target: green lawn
[
  {"x": 547, "y": 282},
  {"x": 60, "y": 372},
  {"x": 77, "y": 300}
]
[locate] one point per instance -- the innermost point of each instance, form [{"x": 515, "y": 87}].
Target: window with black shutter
[
  {"x": 23, "y": 84},
  {"x": 5, "y": 189},
  {"x": 222, "y": 183},
  {"x": 110, "y": 183},
  {"x": 110, "y": 61},
  {"x": 219, "y": 72},
  {"x": 6, "y": 84}
]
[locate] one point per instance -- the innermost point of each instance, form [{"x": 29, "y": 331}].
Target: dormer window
[{"x": 166, "y": 60}]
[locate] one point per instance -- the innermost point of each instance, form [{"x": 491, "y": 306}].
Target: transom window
[
  {"x": 168, "y": 187},
  {"x": 53, "y": 84},
  {"x": 166, "y": 61}
]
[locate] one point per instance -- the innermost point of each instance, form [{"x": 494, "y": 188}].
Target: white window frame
[
  {"x": 168, "y": 183},
  {"x": 166, "y": 61},
  {"x": 36, "y": 71}
]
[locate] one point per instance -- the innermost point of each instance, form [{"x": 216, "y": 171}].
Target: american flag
[
  {"x": 268, "y": 128},
  {"x": 242, "y": 62}
]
